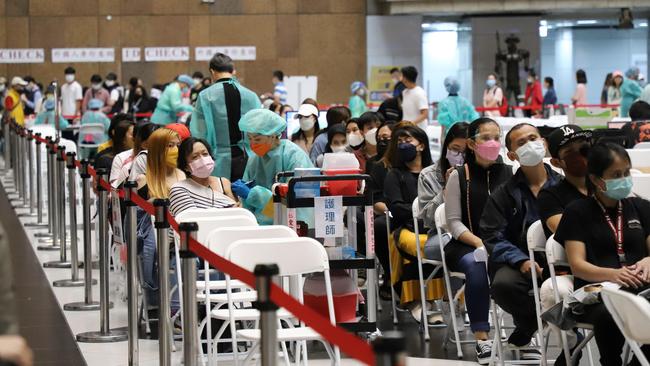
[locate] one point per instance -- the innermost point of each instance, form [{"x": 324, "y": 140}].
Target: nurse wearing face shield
[{"x": 270, "y": 155}]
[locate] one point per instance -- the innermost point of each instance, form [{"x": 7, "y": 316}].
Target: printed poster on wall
[
  {"x": 131, "y": 54},
  {"x": 241, "y": 53},
  {"x": 65, "y": 55},
  {"x": 22, "y": 55},
  {"x": 166, "y": 54},
  {"x": 380, "y": 84}
]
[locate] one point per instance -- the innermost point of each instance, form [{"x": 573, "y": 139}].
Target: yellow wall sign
[{"x": 380, "y": 82}]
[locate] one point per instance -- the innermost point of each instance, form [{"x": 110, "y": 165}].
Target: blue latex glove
[{"x": 240, "y": 188}]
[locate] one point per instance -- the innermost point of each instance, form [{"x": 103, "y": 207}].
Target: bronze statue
[{"x": 512, "y": 58}]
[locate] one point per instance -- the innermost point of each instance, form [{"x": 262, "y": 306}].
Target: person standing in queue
[
  {"x": 271, "y": 155},
  {"x": 171, "y": 101},
  {"x": 216, "y": 118}
]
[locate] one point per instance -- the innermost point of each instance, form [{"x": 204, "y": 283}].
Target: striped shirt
[
  {"x": 188, "y": 194},
  {"x": 281, "y": 92}
]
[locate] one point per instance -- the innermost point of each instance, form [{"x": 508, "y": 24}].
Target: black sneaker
[
  {"x": 483, "y": 352},
  {"x": 518, "y": 339}
]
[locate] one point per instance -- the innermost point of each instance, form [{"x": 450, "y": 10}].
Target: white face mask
[
  {"x": 355, "y": 139},
  {"x": 2, "y": 87},
  {"x": 197, "y": 81},
  {"x": 110, "y": 83},
  {"x": 371, "y": 137},
  {"x": 338, "y": 149},
  {"x": 69, "y": 78},
  {"x": 97, "y": 86},
  {"x": 307, "y": 123},
  {"x": 532, "y": 153}
]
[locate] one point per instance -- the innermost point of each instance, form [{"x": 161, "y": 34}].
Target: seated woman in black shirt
[
  {"x": 409, "y": 154},
  {"x": 607, "y": 238}
]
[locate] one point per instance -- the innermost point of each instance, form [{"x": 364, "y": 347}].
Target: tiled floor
[{"x": 44, "y": 323}]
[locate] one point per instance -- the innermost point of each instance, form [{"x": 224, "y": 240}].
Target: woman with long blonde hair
[{"x": 161, "y": 165}]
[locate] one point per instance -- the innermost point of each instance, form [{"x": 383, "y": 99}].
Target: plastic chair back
[
  {"x": 218, "y": 240},
  {"x": 92, "y": 132},
  {"x": 195, "y": 213},
  {"x": 284, "y": 252},
  {"x": 630, "y": 312},
  {"x": 640, "y": 158},
  {"x": 69, "y": 145},
  {"x": 643, "y": 145},
  {"x": 641, "y": 185},
  {"x": 441, "y": 218},
  {"x": 208, "y": 224},
  {"x": 555, "y": 253},
  {"x": 535, "y": 237}
]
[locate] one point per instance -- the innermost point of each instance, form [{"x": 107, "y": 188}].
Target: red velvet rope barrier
[{"x": 346, "y": 341}]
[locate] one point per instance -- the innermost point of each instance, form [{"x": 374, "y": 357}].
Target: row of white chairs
[{"x": 234, "y": 234}]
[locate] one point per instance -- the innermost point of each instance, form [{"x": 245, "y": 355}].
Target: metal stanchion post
[
  {"x": 164, "y": 311},
  {"x": 49, "y": 235},
  {"x": 264, "y": 274},
  {"x": 88, "y": 303},
  {"x": 74, "y": 280},
  {"x": 28, "y": 177},
  {"x": 59, "y": 188},
  {"x": 390, "y": 349},
  {"x": 132, "y": 271},
  {"x": 24, "y": 176},
  {"x": 7, "y": 148},
  {"x": 190, "y": 316},
  {"x": 105, "y": 334},
  {"x": 52, "y": 202},
  {"x": 18, "y": 168},
  {"x": 39, "y": 186}
]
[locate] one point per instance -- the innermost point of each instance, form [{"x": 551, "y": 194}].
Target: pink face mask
[
  {"x": 489, "y": 150},
  {"x": 202, "y": 167}
]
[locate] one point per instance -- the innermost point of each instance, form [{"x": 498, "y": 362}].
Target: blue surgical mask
[
  {"x": 490, "y": 83},
  {"x": 618, "y": 188}
]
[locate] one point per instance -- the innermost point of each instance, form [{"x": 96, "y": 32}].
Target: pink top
[{"x": 580, "y": 96}]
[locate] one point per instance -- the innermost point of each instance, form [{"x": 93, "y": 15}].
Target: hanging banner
[
  {"x": 131, "y": 54},
  {"x": 22, "y": 55},
  {"x": 242, "y": 53},
  {"x": 64, "y": 55},
  {"x": 166, "y": 54}
]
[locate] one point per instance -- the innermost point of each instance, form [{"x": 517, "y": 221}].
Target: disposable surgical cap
[{"x": 262, "y": 122}]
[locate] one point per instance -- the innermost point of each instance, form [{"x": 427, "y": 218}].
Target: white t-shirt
[
  {"x": 70, "y": 94},
  {"x": 414, "y": 101}
]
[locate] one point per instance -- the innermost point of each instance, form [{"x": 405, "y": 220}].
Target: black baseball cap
[{"x": 565, "y": 135}]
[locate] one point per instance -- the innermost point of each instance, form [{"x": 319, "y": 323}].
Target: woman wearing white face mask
[
  {"x": 336, "y": 143},
  {"x": 308, "y": 118},
  {"x": 200, "y": 189}
]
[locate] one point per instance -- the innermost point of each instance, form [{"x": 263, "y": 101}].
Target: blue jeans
[{"x": 477, "y": 293}]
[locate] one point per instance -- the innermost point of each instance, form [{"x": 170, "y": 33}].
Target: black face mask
[
  {"x": 382, "y": 146},
  {"x": 407, "y": 152}
]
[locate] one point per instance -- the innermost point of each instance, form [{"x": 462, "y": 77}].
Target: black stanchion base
[
  {"x": 44, "y": 235},
  {"x": 110, "y": 336},
  {"x": 71, "y": 283},
  {"x": 82, "y": 306},
  {"x": 57, "y": 264},
  {"x": 48, "y": 247}
]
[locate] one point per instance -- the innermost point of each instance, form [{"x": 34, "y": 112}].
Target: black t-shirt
[
  {"x": 553, "y": 200},
  {"x": 583, "y": 221}
]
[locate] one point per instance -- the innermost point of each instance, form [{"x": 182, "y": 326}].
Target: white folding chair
[
  {"x": 218, "y": 242},
  {"x": 207, "y": 221},
  {"x": 556, "y": 256},
  {"x": 640, "y": 158},
  {"x": 441, "y": 229},
  {"x": 645, "y": 145},
  {"x": 536, "y": 241},
  {"x": 632, "y": 316},
  {"x": 415, "y": 209},
  {"x": 283, "y": 252},
  {"x": 641, "y": 185},
  {"x": 390, "y": 266}
]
